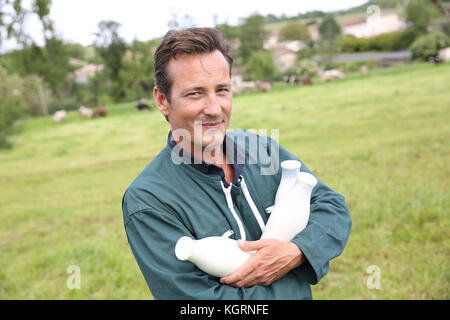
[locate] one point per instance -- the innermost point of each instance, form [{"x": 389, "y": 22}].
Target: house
[
  {"x": 87, "y": 70},
  {"x": 284, "y": 52},
  {"x": 272, "y": 39},
  {"x": 313, "y": 30},
  {"x": 373, "y": 25}
]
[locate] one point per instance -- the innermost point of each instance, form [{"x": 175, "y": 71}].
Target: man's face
[{"x": 200, "y": 97}]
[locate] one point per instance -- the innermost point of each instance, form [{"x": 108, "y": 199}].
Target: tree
[
  {"x": 16, "y": 29},
  {"x": 111, "y": 47},
  {"x": 228, "y": 32},
  {"x": 55, "y": 68},
  {"x": 138, "y": 70},
  {"x": 295, "y": 31},
  {"x": 418, "y": 15},
  {"x": 329, "y": 32},
  {"x": 51, "y": 62},
  {"x": 260, "y": 66},
  {"x": 329, "y": 29},
  {"x": 42, "y": 9},
  {"x": 252, "y": 35},
  {"x": 417, "y": 18}
]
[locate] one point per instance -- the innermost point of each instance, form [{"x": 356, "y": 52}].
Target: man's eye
[{"x": 194, "y": 94}]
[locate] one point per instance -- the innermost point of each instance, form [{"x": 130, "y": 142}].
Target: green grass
[{"x": 381, "y": 140}]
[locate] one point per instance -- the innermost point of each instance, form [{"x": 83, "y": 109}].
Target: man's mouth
[{"x": 212, "y": 125}]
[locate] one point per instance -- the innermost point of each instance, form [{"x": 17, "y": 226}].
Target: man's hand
[{"x": 272, "y": 260}]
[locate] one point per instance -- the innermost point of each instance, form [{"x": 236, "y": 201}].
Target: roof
[{"x": 353, "y": 22}]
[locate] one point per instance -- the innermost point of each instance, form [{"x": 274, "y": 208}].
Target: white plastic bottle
[
  {"x": 289, "y": 168},
  {"x": 217, "y": 256},
  {"x": 291, "y": 214},
  {"x": 220, "y": 256}
]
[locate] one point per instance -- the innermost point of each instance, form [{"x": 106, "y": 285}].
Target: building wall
[{"x": 374, "y": 26}]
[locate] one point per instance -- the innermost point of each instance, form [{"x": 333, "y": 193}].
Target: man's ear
[{"x": 161, "y": 101}]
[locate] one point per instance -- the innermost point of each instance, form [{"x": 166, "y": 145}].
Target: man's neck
[{"x": 209, "y": 155}]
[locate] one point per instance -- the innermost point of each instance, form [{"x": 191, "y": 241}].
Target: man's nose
[{"x": 212, "y": 105}]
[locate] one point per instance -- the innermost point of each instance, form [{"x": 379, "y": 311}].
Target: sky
[{"x": 77, "y": 20}]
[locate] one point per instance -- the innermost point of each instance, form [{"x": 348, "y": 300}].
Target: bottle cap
[
  {"x": 307, "y": 178},
  {"x": 291, "y": 164}
]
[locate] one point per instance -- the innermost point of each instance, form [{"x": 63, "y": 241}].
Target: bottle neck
[
  {"x": 289, "y": 173},
  {"x": 303, "y": 189}
]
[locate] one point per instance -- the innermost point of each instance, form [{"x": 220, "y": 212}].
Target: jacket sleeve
[
  {"x": 152, "y": 236},
  {"x": 327, "y": 231}
]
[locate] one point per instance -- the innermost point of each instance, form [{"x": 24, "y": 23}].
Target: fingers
[
  {"x": 250, "y": 245},
  {"x": 238, "y": 275},
  {"x": 247, "y": 275},
  {"x": 273, "y": 259}
]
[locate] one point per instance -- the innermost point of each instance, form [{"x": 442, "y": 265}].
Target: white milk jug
[
  {"x": 290, "y": 215},
  {"x": 289, "y": 168},
  {"x": 217, "y": 256},
  {"x": 220, "y": 256}
]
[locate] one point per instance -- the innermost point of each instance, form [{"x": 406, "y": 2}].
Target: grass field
[{"x": 381, "y": 140}]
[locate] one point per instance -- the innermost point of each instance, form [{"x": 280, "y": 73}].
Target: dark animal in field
[
  {"x": 100, "y": 112},
  {"x": 304, "y": 80},
  {"x": 142, "y": 105}
]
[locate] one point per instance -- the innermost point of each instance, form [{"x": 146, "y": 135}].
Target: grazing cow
[
  {"x": 331, "y": 75},
  {"x": 290, "y": 79},
  {"x": 100, "y": 112},
  {"x": 142, "y": 105},
  {"x": 434, "y": 60},
  {"x": 364, "y": 69},
  {"x": 444, "y": 54},
  {"x": 85, "y": 112},
  {"x": 304, "y": 81},
  {"x": 60, "y": 115}
]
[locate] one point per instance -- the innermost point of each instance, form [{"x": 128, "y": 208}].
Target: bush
[
  {"x": 12, "y": 105},
  {"x": 391, "y": 41},
  {"x": 351, "y": 43},
  {"x": 351, "y": 66},
  {"x": 303, "y": 68},
  {"x": 428, "y": 46}
]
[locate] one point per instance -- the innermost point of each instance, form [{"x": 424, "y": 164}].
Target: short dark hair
[{"x": 186, "y": 41}]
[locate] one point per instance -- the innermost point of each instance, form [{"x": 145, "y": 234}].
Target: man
[{"x": 208, "y": 181}]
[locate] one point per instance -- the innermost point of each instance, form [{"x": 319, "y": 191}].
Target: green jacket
[{"x": 169, "y": 200}]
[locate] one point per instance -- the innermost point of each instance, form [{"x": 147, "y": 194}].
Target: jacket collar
[{"x": 238, "y": 161}]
